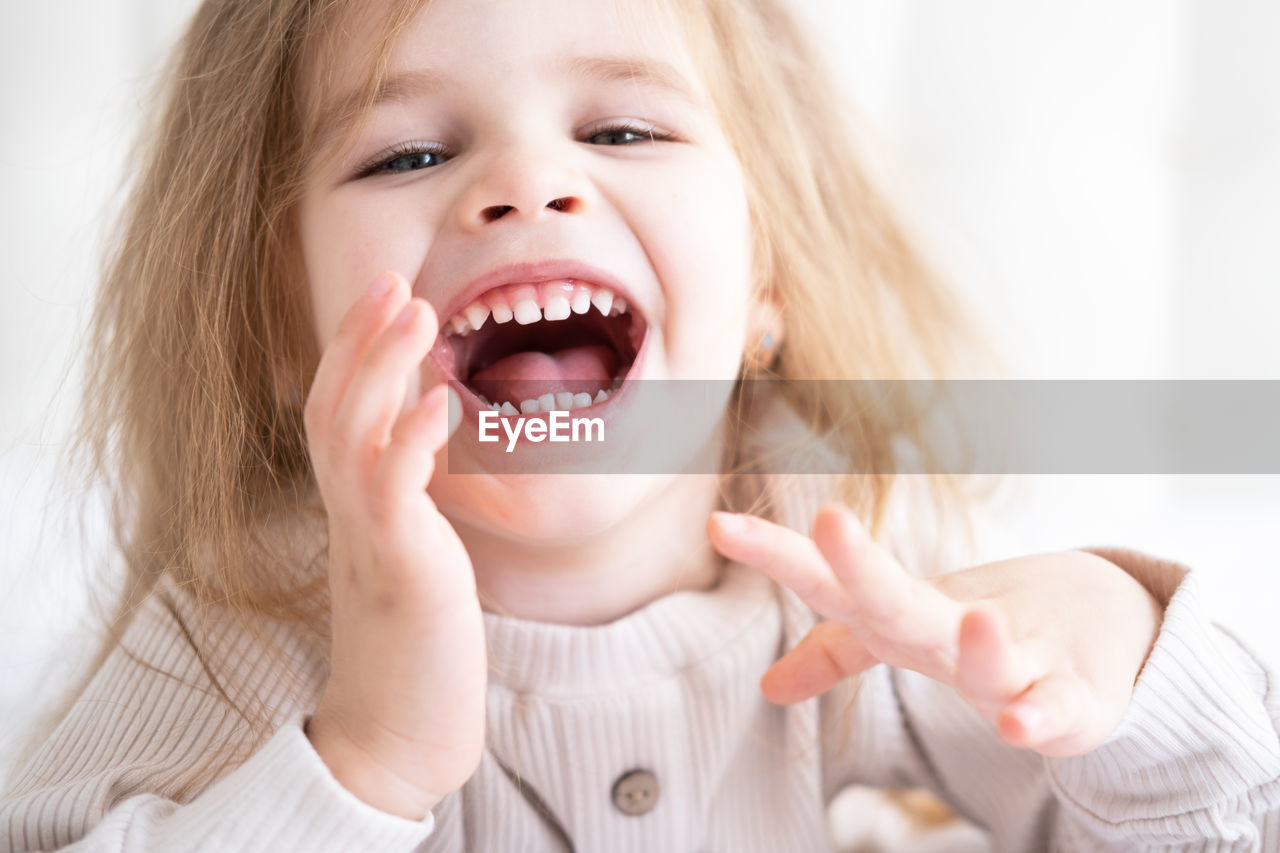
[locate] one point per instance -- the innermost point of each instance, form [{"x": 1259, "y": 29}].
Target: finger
[
  {"x": 407, "y": 463},
  {"x": 788, "y": 557},
  {"x": 901, "y": 609},
  {"x": 1057, "y": 716},
  {"x": 368, "y": 316},
  {"x": 990, "y": 669},
  {"x": 828, "y": 654},
  {"x": 376, "y": 394}
]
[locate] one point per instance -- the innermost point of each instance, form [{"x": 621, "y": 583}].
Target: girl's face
[{"x": 521, "y": 153}]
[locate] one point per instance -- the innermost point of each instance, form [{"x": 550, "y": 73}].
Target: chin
[{"x": 544, "y": 509}]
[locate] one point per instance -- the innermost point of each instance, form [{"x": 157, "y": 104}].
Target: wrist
[
  {"x": 1148, "y": 609},
  {"x": 366, "y": 777}
]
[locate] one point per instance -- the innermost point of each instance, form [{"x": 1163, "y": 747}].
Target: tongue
[{"x": 529, "y": 375}]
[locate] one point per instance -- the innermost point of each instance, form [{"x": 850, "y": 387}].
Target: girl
[{"x": 331, "y": 642}]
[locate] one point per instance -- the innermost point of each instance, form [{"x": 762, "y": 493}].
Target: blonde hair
[
  {"x": 202, "y": 327},
  {"x": 857, "y": 299}
]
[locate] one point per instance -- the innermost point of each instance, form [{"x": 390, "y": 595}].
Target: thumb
[{"x": 455, "y": 411}]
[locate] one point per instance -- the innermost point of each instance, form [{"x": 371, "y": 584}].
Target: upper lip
[{"x": 532, "y": 272}]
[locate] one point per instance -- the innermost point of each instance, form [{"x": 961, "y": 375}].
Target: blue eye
[
  {"x": 410, "y": 161},
  {"x": 639, "y": 133},
  {"x": 405, "y": 157}
]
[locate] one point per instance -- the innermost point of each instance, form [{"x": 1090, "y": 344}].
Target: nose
[{"x": 526, "y": 186}]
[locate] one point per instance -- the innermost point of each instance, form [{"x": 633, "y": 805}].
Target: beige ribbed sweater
[{"x": 672, "y": 689}]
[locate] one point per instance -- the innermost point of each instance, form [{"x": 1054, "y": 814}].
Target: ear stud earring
[{"x": 761, "y": 357}]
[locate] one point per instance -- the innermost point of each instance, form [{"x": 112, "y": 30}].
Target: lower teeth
[{"x": 563, "y": 401}]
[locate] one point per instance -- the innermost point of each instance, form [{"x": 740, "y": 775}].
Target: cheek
[
  {"x": 348, "y": 241},
  {"x": 704, "y": 264}
]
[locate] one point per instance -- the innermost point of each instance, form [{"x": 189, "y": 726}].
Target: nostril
[{"x": 498, "y": 211}]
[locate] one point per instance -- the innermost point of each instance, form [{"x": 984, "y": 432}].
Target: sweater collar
[{"x": 652, "y": 643}]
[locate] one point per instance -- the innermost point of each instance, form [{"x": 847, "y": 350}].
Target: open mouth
[{"x": 526, "y": 348}]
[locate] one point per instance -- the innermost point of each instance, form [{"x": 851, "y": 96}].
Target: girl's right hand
[{"x": 401, "y": 719}]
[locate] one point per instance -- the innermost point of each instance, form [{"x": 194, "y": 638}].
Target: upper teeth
[{"x": 529, "y": 303}]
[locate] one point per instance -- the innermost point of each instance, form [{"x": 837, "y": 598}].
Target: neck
[{"x": 660, "y": 548}]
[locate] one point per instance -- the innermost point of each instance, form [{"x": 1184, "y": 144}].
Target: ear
[{"x": 765, "y": 334}]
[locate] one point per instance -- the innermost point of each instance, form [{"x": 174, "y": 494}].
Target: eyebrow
[{"x": 404, "y": 86}]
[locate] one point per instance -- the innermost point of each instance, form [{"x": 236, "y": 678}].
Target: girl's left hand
[{"x": 1047, "y": 647}]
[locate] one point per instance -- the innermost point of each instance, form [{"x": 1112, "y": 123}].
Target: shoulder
[{"x": 185, "y": 695}]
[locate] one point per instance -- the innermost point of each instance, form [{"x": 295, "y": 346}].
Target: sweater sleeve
[
  {"x": 121, "y": 772},
  {"x": 1193, "y": 766}
]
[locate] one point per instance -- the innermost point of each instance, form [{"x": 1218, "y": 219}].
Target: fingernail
[
  {"x": 1030, "y": 718},
  {"x": 851, "y": 519},
  {"x": 455, "y": 410},
  {"x": 406, "y": 316},
  {"x": 730, "y": 522},
  {"x": 382, "y": 285}
]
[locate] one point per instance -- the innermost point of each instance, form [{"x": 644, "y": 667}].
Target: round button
[{"x": 635, "y": 792}]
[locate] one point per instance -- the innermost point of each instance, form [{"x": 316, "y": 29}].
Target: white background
[{"x": 1101, "y": 177}]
